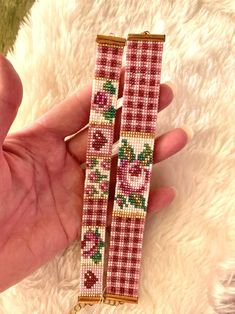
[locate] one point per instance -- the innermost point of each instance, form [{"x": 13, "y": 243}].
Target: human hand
[{"x": 41, "y": 179}]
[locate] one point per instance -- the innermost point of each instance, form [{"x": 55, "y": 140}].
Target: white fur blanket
[{"x": 54, "y": 55}]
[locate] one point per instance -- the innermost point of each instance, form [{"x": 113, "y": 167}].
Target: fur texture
[{"x": 54, "y": 54}]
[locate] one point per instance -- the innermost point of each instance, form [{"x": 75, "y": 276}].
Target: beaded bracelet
[
  {"x": 135, "y": 157},
  {"x": 98, "y": 161}
]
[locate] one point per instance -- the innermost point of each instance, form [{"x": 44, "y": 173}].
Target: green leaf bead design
[
  {"x": 137, "y": 200},
  {"x": 145, "y": 157},
  {"x": 108, "y": 86},
  {"x": 126, "y": 151},
  {"x": 110, "y": 114}
]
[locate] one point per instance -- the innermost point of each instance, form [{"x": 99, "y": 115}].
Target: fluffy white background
[{"x": 54, "y": 54}]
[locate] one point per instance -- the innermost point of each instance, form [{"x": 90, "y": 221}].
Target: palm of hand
[
  {"x": 42, "y": 187},
  {"x": 41, "y": 180}
]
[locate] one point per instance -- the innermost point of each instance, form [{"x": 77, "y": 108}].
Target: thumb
[{"x": 11, "y": 92}]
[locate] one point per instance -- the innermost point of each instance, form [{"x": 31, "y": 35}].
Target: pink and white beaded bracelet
[
  {"x": 98, "y": 162},
  {"x": 135, "y": 158}
]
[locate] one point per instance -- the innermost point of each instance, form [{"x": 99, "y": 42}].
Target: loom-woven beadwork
[
  {"x": 99, "y": 149},
  {"x": 139, "y": 113}
]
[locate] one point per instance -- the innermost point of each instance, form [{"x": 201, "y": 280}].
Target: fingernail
[
  {"x": 175, "y": 190},
  {"x": 188, "y": 130},
  {"x": 172, "y": 86}
]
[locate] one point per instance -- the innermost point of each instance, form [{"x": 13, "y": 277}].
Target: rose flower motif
[
  {"x": 104, "y": 186},
  {"x": 93, "y": 177},
  {"x": 101, "y": 101},
  {"x": 89, "y": 243},
  {"x": 90, "y": 190},
  {"x": 133, "y": 177},
  {"x": 105, "y": 164}
]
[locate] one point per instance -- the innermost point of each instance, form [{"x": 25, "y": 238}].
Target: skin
[{"x": 41, "y": 178}]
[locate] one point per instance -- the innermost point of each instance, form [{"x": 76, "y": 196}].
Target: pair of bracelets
[{"x": 119, "y": 283}]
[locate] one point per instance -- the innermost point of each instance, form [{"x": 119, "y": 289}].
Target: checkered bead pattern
[
  {"x": 98, "y": 161},
  {"x": 127, "y": 236},
  {"x": 141, "y": 90},
  {"x": 135, "y": 158}
]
